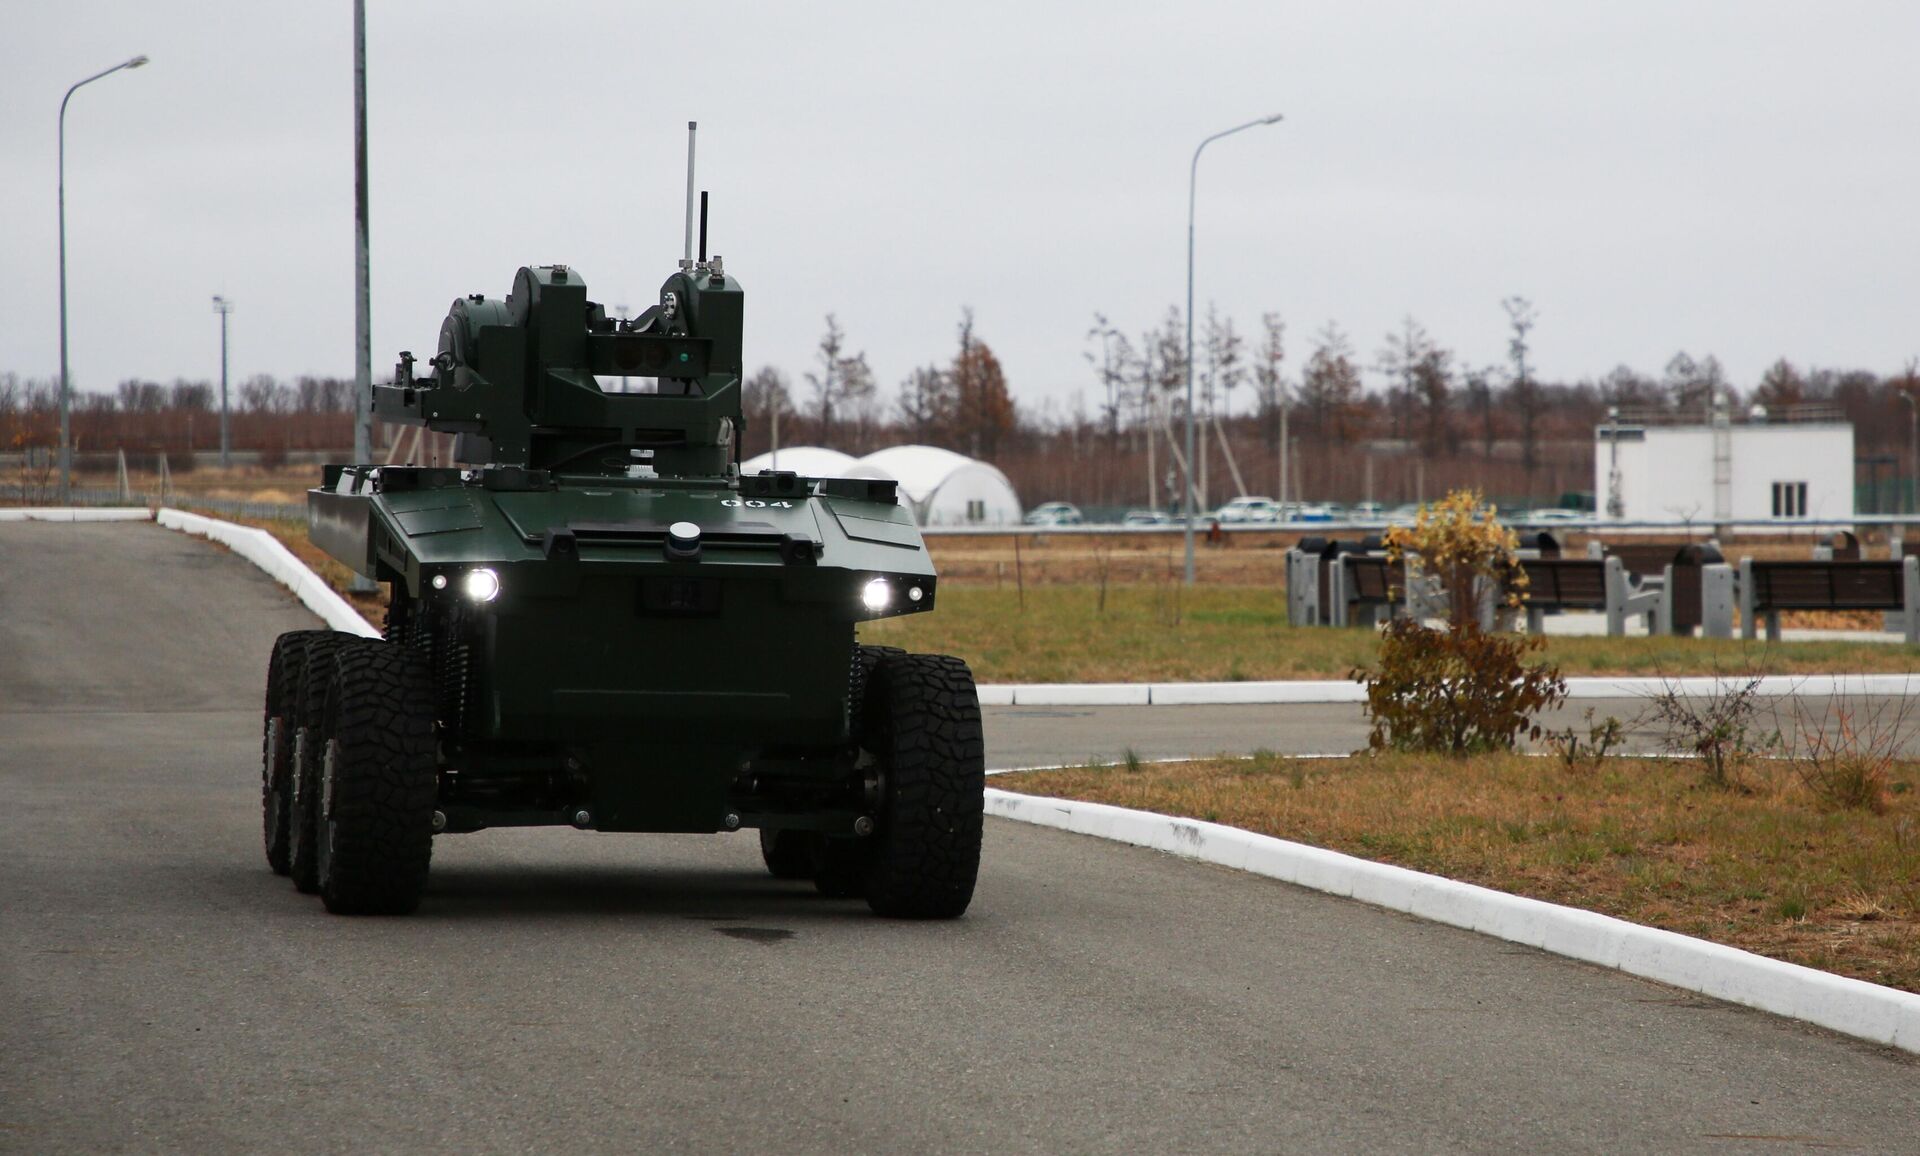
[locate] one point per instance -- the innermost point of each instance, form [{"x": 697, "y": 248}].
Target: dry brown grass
[
  {"x": 287, "y": 485},
  {"x": 1772, "y": 870},
  {"x": 1165, "y": 632}
]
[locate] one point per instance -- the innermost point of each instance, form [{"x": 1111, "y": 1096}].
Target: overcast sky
[{"x": 1734, "y": 178}]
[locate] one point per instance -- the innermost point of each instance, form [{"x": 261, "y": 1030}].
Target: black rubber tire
[
  {"x": 309, "y": 710},
  {"x": 788, "y": 854},
  {"x": 379, "y": 781},
  {"x": 279, "y": 718},
  {"x": 923, "y": 724}
]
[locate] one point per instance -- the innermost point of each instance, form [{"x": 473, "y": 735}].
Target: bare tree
[
  {"x": 1226, "y": 368},
  {"x": 1110, "y": 369},
  {"x": 1478, "y": 383},
  {"x": 1330, "y": 386},
  {"x": 983, "y": 407},
  {"x": 190, "y": 396},
  {"x": 841, "y": 383},
  {"x": 138, "y": 396},
  {"x": 1628, "y": 389},
  {"x": 1268, "y": 385},
  {"x": 1692, "y": 384},
  {"x": 1399, "y": 354},
  {"x": 1432, "y": 383},
  {"x": 926, "y": 403},
  {"x": 1781, "y": 386},
  {"x": 262, "y": 394},
  {"x": 765, "y": 398},
  {"x": 1523, "y": 392}
]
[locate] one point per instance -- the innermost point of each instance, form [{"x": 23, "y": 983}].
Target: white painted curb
[
  {"x": 1854, "y": 1007},
  {"x": 265, "y": 551},
  {"x": 76, "y": 514}
]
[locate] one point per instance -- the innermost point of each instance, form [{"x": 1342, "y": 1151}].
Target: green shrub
[
  {"x": 1457, "y": 691},
  {"x": 1461, "y": 689}
]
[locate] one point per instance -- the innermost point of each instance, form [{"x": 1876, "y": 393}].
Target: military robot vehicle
[{"x": 595, "y": 621}]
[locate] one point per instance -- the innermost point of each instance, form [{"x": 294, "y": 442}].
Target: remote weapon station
[{"x": 596, "y": 621}]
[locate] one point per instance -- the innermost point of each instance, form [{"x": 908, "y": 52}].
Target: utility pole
[
  {"x": 1282, "y": 389},
  {"x": 1616, "y": 502},
  {"x": 223, "y": 307},
  {"x": 1193, "y": 184},
  {"x": 66, "y": 382},
  {"x": 362, "y": 296}
]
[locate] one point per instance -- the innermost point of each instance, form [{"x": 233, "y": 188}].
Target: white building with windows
[{"x": 1748, "y": 471}]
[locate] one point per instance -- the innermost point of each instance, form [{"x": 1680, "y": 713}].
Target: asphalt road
[
  {"x": 160, "y": 990},
  {"x": 1046, "y": 736}
]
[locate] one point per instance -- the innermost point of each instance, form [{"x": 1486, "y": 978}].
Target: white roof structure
[
  {"x": 807, "y": 461},
  {"x": 945, "y": 488}
]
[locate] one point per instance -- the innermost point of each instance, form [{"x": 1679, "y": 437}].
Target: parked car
[
  {"x": 1146, "y": 518},
  {"x": 1403, "y": 515},
  {"x": 1366, "y": 513},
  {"x": 1054, "y": 514},
  {"x": 1247, "y": 509},
  {"x": 1313, "y": 512},
  {"x": 1555, "y": 514}
]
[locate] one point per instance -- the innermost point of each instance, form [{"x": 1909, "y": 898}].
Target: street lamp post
[
  {"x": 222, "y": 306},
  {"x": 1193, "y": 181},
  {"x": 1913, "y": 452},
  {"x": 66, "y": 444}
]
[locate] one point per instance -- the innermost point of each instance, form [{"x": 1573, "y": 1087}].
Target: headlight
[
  {"x": 877, "y": 595},
  {"x": 481, "y": 585}
]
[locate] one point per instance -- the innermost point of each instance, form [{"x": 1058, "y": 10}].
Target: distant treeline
[{"x": 1411, "y": 421}]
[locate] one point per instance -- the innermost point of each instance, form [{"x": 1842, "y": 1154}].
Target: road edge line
[{"x": 1852, "y": 1007}]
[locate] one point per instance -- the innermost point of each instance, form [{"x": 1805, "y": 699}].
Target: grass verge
[
  {"x": 1168, "y": 633},
  {"x": 1768, "y": 868}
]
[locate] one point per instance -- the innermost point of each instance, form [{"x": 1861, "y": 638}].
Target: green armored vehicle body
[{"x": 595, "y": 621}]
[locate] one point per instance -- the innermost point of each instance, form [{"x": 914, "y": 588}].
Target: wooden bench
[
  {"x": 1586, "y": 584},
  {"x": 1767, "y": 588}
]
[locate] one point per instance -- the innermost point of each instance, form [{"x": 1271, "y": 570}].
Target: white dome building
[
  {"x": 807, "y": 461},
  {"x": 945, "y": 488}
]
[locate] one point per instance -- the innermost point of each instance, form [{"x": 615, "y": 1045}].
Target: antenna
[
  {"x": 703, "y": 226},
  {"x": 686, "y": 259}
]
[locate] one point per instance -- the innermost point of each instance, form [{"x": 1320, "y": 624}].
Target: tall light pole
[
  {"x": 66, "y": 443},
  {"x": 362, "y": 304},
  {"x": 1913, "y": 451},
  {"x": 362, "y": 293},
  {"x": 1193, "y": 181},
  {"x": 222, "y": 306}
]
